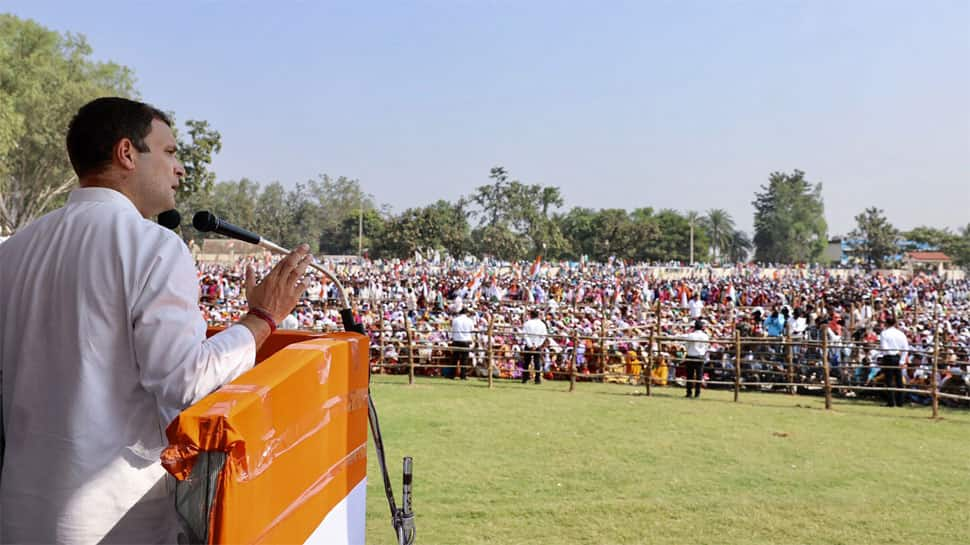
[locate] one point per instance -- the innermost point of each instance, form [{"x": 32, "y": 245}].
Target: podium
[{"x": 278, "y": 455}]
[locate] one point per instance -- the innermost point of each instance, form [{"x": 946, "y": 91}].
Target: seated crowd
[{"x": 601, "y": 318}]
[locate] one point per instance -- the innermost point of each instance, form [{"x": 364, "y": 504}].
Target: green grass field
[{"x": 526, "y": 464}]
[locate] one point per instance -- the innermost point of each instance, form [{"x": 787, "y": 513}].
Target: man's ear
[{"x": 124, "y": 154}]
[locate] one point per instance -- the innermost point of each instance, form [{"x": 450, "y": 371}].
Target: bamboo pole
[
  {"x": 790, "y": 360},
  {"x": 653, "y": 337},
  {"x": 825, "y": 366},
  {"x": 380, "y": 342},
  {"x": 737, "y": 365},
  {"x": 573, "y": 359},
  {"x": 936, "y": 367},
  {"x": 490, "y": 352},
  {"x": 407, "y": 328},
  {"x": 852, "y": 324},
  {"x": 734, "y": 320},
  {"x": 604, "y": 361},
  {"x": 649, "y": 363}
]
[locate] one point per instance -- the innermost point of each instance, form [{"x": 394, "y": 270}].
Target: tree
[
  {"x": 44, "y": 78},
  {"x": 955, "y": 245},
  {"x": 365, "y": 231},
  {"x": 543, "y": 231},
  {"x": 616, "y": 235},
  {"x": 509, "y": 210},
  {"x": 739, "y": 247},
  {"x": 959, "y": 248},
  {"x": 499, "y": 241},
  {"x": 307, "y": 223},
  {"x": 720, "y": 230},
  {"x": 647, "y": 231},
  {"x": 931, "y": 238},
  {"x": 578, "y": 230},
  {"x": 874, "y": 238},
  {"x": 336, "y": 200},
  {"x": 694, "y": 220},
  {"x": 440, "y": 226},
  {"x": 274, "y": 215},
  {"x": 673, "y": 241},
  {"x": 492, "y": 198},
  {"x": 789, "y": 220},
  {"x": 235, "y": 201},
  {"x": 196, "y": 156}
]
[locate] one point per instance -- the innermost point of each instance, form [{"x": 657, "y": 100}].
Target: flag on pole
[
  {"x": 476, "y": 280},
  {"x": 534, "y": 270}
]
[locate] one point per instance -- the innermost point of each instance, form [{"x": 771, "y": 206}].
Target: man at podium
[{"x": 102, "y": 342}]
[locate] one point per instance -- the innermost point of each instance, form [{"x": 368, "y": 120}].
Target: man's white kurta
[{"x": 101, "y": 345}]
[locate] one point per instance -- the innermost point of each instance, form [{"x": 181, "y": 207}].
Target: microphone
[
  {"x": 206, "y": 222},
  {"x": 170, "y": 219}
]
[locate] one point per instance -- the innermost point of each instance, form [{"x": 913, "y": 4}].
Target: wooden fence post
[
  {"x": 936, "y": 368},
  {"x": 572, "y": 363},
  {"x": 380, "y": 342},
  {"x": 649, "y": 363},
  {"x": 825, "y": 363},
  {"x": 407, "y": 328},
  {"x": 737, "y": 365},
  {"x": 656, "y": 336},
  {"x": 852, "y": 309},
  {"x": 604, "y": 360},
  {"x": 491, "y": 360},
  {"x": 790, "y": 359}
]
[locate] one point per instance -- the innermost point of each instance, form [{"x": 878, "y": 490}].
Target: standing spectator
[
  {"x": 461, "y": 340},
  {"x": 535, "y": 337},
  {"x": 697, "y": 345},
  {"x": 895, "y": 352},
  {"x": 695, "y": 307},
  {"x": 290, "y": 322}
]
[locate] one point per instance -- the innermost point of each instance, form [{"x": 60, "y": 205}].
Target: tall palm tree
[{"x": 720, "y": 227}]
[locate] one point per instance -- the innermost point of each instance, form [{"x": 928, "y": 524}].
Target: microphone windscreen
[
  {"x": 205, "y": 221},
  {"x": 170, "y": 219}
]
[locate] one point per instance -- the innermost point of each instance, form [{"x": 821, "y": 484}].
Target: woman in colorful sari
[
  {"x": 660, "y": 370},
  {"x": 633, "y": 366}
]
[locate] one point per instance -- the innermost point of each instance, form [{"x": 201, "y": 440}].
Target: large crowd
[{"x": 602, "y": 317}]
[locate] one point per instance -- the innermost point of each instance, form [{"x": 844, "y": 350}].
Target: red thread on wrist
[{"x": 260, "y": 313}]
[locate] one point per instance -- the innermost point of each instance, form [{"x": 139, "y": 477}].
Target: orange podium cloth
[{"x": 293, "y": 433}]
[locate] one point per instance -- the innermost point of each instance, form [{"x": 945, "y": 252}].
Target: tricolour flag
[{"x": 534, "y": 270}]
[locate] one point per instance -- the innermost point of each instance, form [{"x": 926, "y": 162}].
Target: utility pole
[{"x": 360, "y": 229}]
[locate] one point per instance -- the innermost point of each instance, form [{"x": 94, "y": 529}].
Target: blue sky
[{"x": 673, "y": 104}]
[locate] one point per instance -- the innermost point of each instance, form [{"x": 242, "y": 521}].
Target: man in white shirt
[
  {"x": 462, "y": 328},
  {"x": 697, "y": 345},
  {"x": 102, "y": 342},
  {"x": 695, "y": 307},
  {"x": 894, "y": 347},
  {"x": 290, "y": 322},
  {"x": 535, "y": 337}
]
